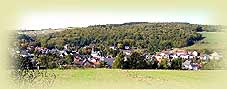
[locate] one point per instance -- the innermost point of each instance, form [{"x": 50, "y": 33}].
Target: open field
[
  {"x": 138, "y": 79},
  {"x": 212, "y": 40}
]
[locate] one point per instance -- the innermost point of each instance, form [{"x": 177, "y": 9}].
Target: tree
[
  {"x": 68, "y": 59},
  {"x": 120, "y": 46},
  {"x": 147, "y": 36},
  {"x": 176, "y": 63},
  {"x": 137, "y": 61},
  {"x": 117, "y": 64},
  {"x": 199, "y": 29},
  {"x": 155, "y": 63},
  {"x": 163, "y": 64}
]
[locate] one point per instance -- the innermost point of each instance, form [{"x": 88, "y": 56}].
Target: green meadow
[
  {"x": 138, "y": 79},
  {"x": 212, "y": 40}
]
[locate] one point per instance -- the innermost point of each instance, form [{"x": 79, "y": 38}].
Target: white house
[
  {"x": 181, "y": 53},
  {"x": 215, "y": 56},
  {"x": 162, "y": 54},
  {"x": 184, "y": 56},
  {"x": 113, "y": 47},
  {"x": 127, "y": 47},
  {"x": 187, "y": 65},
  {"x": 194, "y": 53},
  {"x": 191, "y": 57},
  {"x": 66, "y": 46},
  {"x": 96, "y": 54},
  {"x": 175, "y": 56}
]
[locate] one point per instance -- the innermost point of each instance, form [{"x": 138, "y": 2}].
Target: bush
[
  {"x": 176, "y": 63},
  {"x": 163, "y": 64},
  {"x": 117, "y": 64},
  {"x": 137, "y": 61}
]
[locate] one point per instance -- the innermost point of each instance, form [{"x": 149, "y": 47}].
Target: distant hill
[
  {"x": 140, "y": 35},
  {"x": 38, "y": 32},
  {"x": 208, "y": 28}
]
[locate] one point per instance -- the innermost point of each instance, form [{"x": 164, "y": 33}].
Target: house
[
  {"x": 190, "y": 52},
  {"x": 95, "y": 54},
  {"x": 17, "y": 52},
  {"x": 215, "y": 56},
  {"x": 175, "y": 56},
  {"x": 186, "y": 64},
  {"x": 127, "y": 52},
  {"x": 168, "y": 54},
  {"x": 87, "y": 63},
  {"x": 66, "y": 46},
  {"x": 158, "y": 57},
  {"x": 195, "y": 66},
  {"x": 109, "y": 60},
  {"x": 181, "y": 53},
  {"x": 63, "y": 53},
  {"x": 191, "y": 57},
  {"x": 77, "y": 60},
  {"x": 24, "y": 53},
  {"x": 125, "y": 59},
  {"x": 113, "y": 47},
  {"x": 162, "y": 54},
  {"x": 149, "y": 56},
  {"x": 94, "y": 61},
  {"x": 194, "y": 53},
  {"x": 184, "y": 56},
  {"x": 126, "y": 47},
  {"x": 90, "y": 62}
]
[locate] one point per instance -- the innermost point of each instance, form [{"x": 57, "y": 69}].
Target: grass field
[
  {"x": 213, "y": 40},
  {"x": 138, "y": 79}
]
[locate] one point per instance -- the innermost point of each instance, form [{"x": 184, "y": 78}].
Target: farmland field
[{"x": 138, "y": 79}]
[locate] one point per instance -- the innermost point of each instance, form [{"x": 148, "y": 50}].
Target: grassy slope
[
  {"x": 216, "y": 40},
  {"x": 136, "y": 79}
]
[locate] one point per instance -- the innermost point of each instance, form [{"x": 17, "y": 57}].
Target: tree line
[{"x": 150, "y": 36}]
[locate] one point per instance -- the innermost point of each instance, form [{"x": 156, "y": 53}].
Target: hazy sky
[
  {"x": 78, "y": 13},
  {"x": 38, "y": 20}
]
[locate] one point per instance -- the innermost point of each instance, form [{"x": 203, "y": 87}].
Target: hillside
[
  {"x": 141, "y": 35},
  {"x": 212, "y": 41}
]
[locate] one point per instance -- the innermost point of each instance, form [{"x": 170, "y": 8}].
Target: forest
[{"x": 152, "y": 37}]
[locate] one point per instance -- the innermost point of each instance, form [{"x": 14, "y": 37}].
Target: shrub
[
  {"x": 163, "y": 64},
  {"x": 176, "y": 63},
  {"x": 118, "y": 61}
]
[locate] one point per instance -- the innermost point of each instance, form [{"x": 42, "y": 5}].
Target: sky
[
  {"x": 42, "y": 20},
  {"x": 82, "y": 13}
]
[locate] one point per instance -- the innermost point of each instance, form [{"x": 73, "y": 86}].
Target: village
[{"x": 191, "y": 60}]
